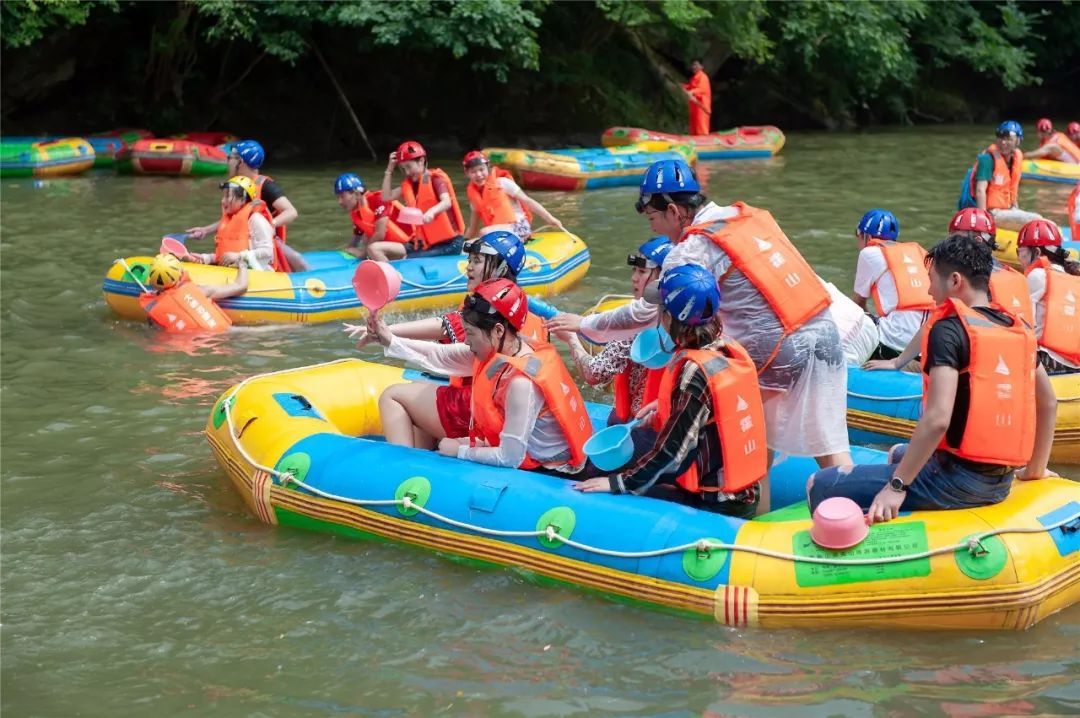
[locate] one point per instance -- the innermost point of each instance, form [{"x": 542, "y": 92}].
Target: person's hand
[
  {"x": 230, "y": 259},
  {"x": 563, "y": 336},
  {"x": 645, "y": 413},
  {"x": 449, "y": 447},
  {"x": 881, "y": 364},
  {"x": 360, "y": 333},
  {"x": 556, "y": 223},
  {"x": 195, "y": 232},
  {"x": 886, "y": 505},
  {"x": 599, "y": 485},
  {"x": 392, "y": 163},
  {"x": 379, "y": 329},
  {"x": 564, "y": 322},
  {"x": 428, "y": 216},
  {"x": 1026, "y": 473}
]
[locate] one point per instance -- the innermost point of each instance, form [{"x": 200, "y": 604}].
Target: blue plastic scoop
[
  {"x": 612, "y": 447},
  {"x": 649, "y": 349}
]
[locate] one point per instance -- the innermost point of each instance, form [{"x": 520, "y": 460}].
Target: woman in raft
[{"x": 527, "y": 412}]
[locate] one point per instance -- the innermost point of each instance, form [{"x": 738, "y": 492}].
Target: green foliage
[{"x": 24, "y": 22}]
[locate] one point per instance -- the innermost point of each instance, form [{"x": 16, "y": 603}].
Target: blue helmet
[
  {"x": 879, "y": 223},
  {"x": 690, "y": 293},
  {"x": 504, "y": 244},
  {"x": 348, "y": 182},
  {"x": 251, "y": 152},
  {"x": 651, "y": 254},
  {"x": 666, "y": 177},
  {"x": 1011, "y": 126}
]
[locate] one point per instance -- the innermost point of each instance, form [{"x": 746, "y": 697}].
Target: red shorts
[{"x": 454, "y": 404}]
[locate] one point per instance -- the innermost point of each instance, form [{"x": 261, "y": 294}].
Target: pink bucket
[
  {"x": 839, "y": 523},
  {"x": 376, "y": 284}
]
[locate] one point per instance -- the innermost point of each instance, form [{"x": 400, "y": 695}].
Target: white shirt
[
  {"x": 1036, "y": 281},
  {"x": 524, "y": 430},
  {"x": 895, "y": 327}
]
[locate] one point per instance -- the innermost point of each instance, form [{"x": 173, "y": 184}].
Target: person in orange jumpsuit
[{"x": 699, "y": 91}]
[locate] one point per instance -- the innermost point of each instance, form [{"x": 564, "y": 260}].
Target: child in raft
[
  {"x": 497, "y": 202},
  {"x": 710, "y": 452},
  {"x": 244, "y": 231},
  {"x": 634, "y": 385},
  {"x": 1053, "y": 281},
  {"x": 447, "y": 408},
  {"x": 526, "y": 410}
]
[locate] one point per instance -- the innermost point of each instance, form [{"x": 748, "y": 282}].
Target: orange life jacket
[
  {"x": 905, "y": 263},
  {"x": 493, "y": 204},
  {"x": 1061, "y": 318},
  {"x": 533, "y": 331},
  {"x": 234, "y": 234},
  {"x": 621, "y": 389},
  {"x": 1000, "y": 426},
  {"x": 1074, "y": 223},
  {"x": 1004, "y": 187},
  {"x": 446, "y": 225},
  {"x": 760, "y": 250},
  {"x": 184, "y": 307},
  {"x": 1009, "y": 288},
  {"x": 562, "y": 399},
  {"x": 1067, "y": 146},
  {"x": 363, "y": 218},
  {"x": 737, "y": 411}
]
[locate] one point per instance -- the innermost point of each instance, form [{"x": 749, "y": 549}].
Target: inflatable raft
[
  {"x": 176, "y": 158},
  {"x": 46, "y": 158},
  {"x": 555, "y": 261},
  {"x": 207, "y": 138},
  {"x": 590, "y": 168},
  {"x": 883, "y": 407},
  {"x": 1050, "y": 171},
  {"x": 1006, "y": 246},
  {"x": 302, "y": 448},
  {"x": 740, "y": 143}
]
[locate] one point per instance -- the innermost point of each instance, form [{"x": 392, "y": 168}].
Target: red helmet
[
  {"x": 973, "y": 219},
  {"x": 1044, "y": 125},
  {"x": 1074, "y": 128},
  {"x": 474, "y": 158},
  {"x": 1039, "y": 233},
  {"x": 504, "y": 297},
  {"x": 410, "y": 150}
]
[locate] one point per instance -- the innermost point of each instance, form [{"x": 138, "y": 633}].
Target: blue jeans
[
  {"x": 938, "y": 485},
  {"x": 452, "y": 246}
]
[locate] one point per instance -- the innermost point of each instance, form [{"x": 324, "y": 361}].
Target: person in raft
[
  {"x": 893, "y": 274},
  {"x": 245, "y": 160},
  {"x": 1053, "y": 281},
  {"x": 771, "y": 302},
  {"x": 710, "y": 452},
  {"x": 430, "y": 191},
  {"x": 527, "y": 412},
  {"x": 987, "y": 407},
  {"x": 445, "y": 410},
  {"x": 634, "y": 386},
  {"x": 497, "y": 202},
  {"x": 178, "y": 305},
  {"x": 1007, "y": 286},
  {"x": 375, "y": 233},
  {"x": 1054, "y": 145},
  {"x": 993, "y": 182},
  {"x": 244, "y": 232},
  {"x": 1073, "y": 132},
  {"x": 699, "y": 93}
]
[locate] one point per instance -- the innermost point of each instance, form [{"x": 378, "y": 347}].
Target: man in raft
[
  {"x": 988, "y": 408},
  {"x": 375, "y": 233},
  {"x": 1054, "y": 145},
  {"x": 993, "y": 183},
  {"x": 497, "y": 202},
  {"x": 245, "y": 160},
  {"x": 771, "y": 302},
  {"x": 699, "y": 92},
  {"x": 430, "y": 191}
]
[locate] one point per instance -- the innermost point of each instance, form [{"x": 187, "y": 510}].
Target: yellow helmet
[
  {"x": 243, "y": 183},
  {"x": 165, "y": 271}
]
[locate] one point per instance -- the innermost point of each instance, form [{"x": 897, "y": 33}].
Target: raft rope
[
  {"x": 973, "y": 544},
  {"x": 131, "y": 274}
]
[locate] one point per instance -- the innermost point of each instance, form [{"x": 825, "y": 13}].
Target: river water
[{"x": 136, "y": 583}]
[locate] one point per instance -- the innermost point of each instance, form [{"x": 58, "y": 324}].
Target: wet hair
[
  {"x": 1060, "y": 255},
  {"x": 969, "y": 257},
  {"x": 688, "y": 336},
  {"x": 690, "y": 200}
]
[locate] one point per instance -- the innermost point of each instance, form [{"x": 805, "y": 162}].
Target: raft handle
[
  {"x": 976, "y": 548},
  {"x": 1072, "y": 526}
]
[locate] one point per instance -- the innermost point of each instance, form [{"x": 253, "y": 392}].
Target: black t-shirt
[
  {"x": 271, "y": 193},
  {"x": 949, "y": 346}
]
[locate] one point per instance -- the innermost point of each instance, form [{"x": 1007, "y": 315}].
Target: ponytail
[{"x": 1060, "y": 255}]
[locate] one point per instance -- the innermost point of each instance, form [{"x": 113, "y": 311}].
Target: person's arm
[
  {"x": 430, "y": 329},
  {"x": 540, "y": 210},
  {"x": 1045, "y": 420},
  {"x": 390, "y": 193},
  {"x": 602, "y": 368},
  {"x": 200, "y": 232},
  {"x": 474, "y": 223},
  {"x": 910, "y": 352},
  {"x": 262, "y": 241},
  {"x": 523, "y": 404},
  {"x": 868, "y": 269},
  {"x": 238, "y": 286},
  {"x": 286, "y": 212},
  {"x": 380, "y": 230},
  {"x": 442, "y": 205},
  {"x": 443, "y": 359}
]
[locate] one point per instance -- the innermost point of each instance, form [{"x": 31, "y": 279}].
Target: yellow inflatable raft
[
  {"x": 588, "y": 168},
  {"x": 301, "y": 448}
]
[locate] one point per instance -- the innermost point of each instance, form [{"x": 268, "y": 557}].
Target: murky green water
[{"x": 136, "y": 583}]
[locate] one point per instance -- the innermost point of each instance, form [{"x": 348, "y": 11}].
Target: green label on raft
[{"x": 884, "y": 541}]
